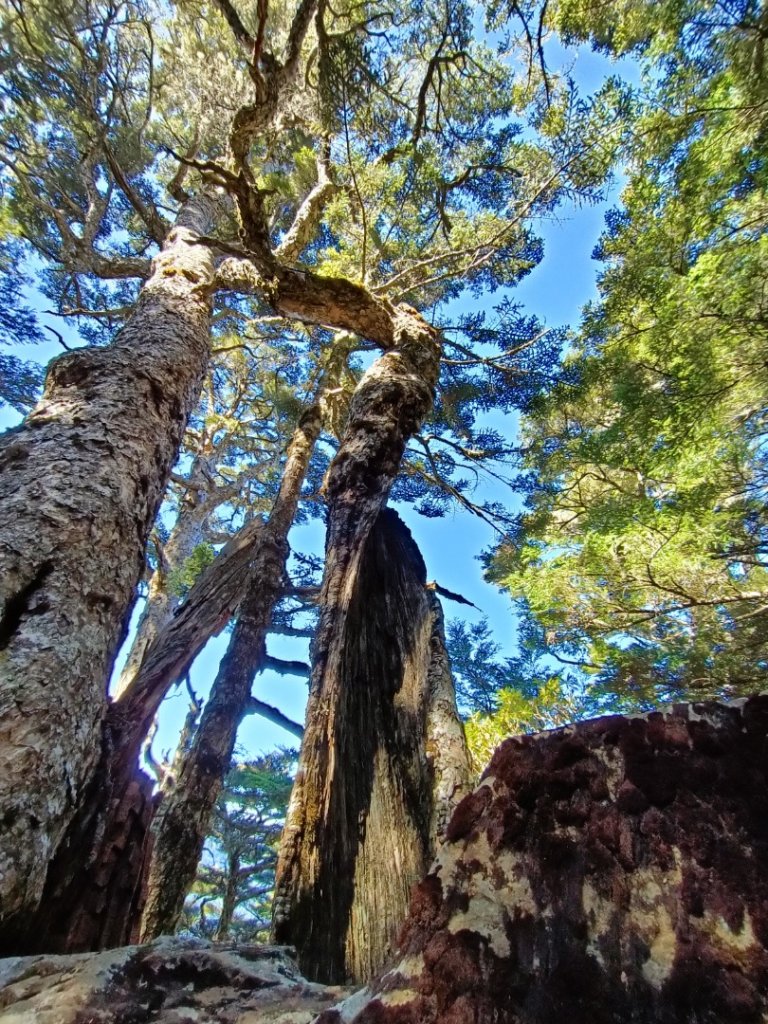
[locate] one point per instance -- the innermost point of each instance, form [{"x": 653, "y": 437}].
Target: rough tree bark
[
  {"x": 360, "y": 804},
  {"x": 185, "y": 811},
  {"x": 612, "y": 871},
  {"x": 80, "y": 483},
  {"x": 450, "y": 774},
  {"x": 94, "y": 892},
  {"x": 373, "y": 777}
]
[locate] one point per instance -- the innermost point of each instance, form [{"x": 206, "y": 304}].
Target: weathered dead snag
[{"x": 382, "y": 765}]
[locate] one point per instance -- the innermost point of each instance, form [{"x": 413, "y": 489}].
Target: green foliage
[
  {"x": 641, "y": 553},
  {"x": 232, "y": 895},
  {"x": 20, "y": 379},
  {"x": 551, "y": 707},
  {"x": 181, "y": 579},
  {"x": 416, "y": 121},
  {"x": 501, "y": 698}
]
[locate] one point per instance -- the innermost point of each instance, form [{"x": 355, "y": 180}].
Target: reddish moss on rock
[{"x": 612, "y": 871}]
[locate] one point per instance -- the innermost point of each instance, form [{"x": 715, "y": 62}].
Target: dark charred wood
[{"x": 366, "y": 790}]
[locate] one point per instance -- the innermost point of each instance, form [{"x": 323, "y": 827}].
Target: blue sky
[{"x": 555, "y": 292}]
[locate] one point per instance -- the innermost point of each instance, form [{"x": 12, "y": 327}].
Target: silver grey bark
[{"x": 80, "y": 483}]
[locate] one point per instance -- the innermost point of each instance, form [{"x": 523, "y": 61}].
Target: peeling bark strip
[
  {"x": 616, "y": 870},
  {"x": 80, "y": 483},
  {"x": 371, "y": 775},
  {"x": 185, "y": 812}
]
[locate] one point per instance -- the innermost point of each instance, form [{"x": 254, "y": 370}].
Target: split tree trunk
[
  {"x": 185, "y": 811},
  {"x": 383, "y": 765},
  {"x": 358, "y": 828},
  {"x": 80, "y": 484},
  {"x": 372, "y": 781},
  {"x": 94, "y": 892}
]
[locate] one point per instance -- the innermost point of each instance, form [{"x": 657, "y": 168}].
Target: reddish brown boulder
[{"x": 614, "y": 872}]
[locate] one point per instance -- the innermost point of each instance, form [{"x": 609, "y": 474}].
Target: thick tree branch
[
  {"x": 272, "y": 92},
  {"x": 239, "y": 31},
  {"x": 302, "y": 19},
  {"x": 303, "y": 295},
  {"x": 300, "y": 233}
]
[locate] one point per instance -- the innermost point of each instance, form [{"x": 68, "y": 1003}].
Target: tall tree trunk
[
  {"x": 80, "y": 484},
  {"x": 375, "y": 780},
  {"x": 360, "y": 807},
  {"x": 185, "y": 812},
  {"x": 450, "y": 774}
]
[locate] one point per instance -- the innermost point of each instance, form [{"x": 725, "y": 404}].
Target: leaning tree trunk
[
  {"x": 185, "y": 811},
  {"x": 162, "y": 601},
  {"x": 357, "y": 833},
  {"x": 80, "y": 484}
]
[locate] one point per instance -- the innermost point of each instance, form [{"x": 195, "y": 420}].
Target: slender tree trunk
[
  {"x": 374, "y": 780},
  {"x": 229, "y": 901},
  {"x": 80, "y": 484},
  {"x": 446, "y": 745},
  {"x": 161, "y": 603},
  {"x": 184, "y": 815},
  {"x": 357, "y": 833}
]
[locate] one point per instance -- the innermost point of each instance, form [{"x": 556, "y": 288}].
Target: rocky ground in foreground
[
  {"x": 169, "y": 981},
  {"x": 613, "y": 872}
]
